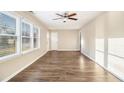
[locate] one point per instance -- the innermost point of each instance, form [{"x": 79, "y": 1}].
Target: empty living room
[{"x": 61, "y": 46}]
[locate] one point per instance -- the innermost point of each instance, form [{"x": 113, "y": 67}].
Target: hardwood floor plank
[{"x": 64, "y": 67}]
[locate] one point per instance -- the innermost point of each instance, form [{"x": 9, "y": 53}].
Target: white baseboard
[
  {"x": 15, "y": 73},
  {"x": 68, "y": 50},
  {"x": 88, "y": 56},
  {"x": 110, "y": 72},
  {"x": 103, "y": 67}
]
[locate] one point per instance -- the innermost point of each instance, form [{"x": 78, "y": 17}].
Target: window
[
  {"x": 100, "y": 51},
  {"x": 35, "y": 37},
  {"x": 116, "y": 56},
  {"x": 26, "y": 36},
  {"x": 17, "y": 35},
  {"x": 8, "y": 35}
]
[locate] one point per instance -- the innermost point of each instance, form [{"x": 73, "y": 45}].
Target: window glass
[
  {"x": 35, "y": 32},
  {"x": 7, "y": 45},
  {"x": 26, "y": 38},
  {"x": 25, "y": 44},
  {"x": 9, "y": 39},
  {"x": 100, "y": 51},
  {"x": 100, "y": 44},
  {"x": 35, "y": 42},
  {"x": 36, "y": 38},
  {"x": 116, "y": 46},
  {"x": 7, "y": 24},
  {"x": 116, "y": 56},
  {"x": 25, "y": 29},
  {"x": 8, "y": 36}
]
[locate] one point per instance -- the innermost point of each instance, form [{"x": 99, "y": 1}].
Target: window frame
[
  {"x": 38, "y": 37},
  {"x": 24, "y": 20},
  {"x": 16, "y": 35},
  {"x": 19, "y": 19}
]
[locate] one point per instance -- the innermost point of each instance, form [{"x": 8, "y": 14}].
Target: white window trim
[
  {"x": 29, "y": 23},
  {"x": 39, "y": 36},
  {"x": 19, "y": 36},
  {"x": 16, "y": 35}
]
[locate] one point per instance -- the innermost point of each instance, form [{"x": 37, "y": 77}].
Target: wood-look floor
[{"x": 64, "y": 67}]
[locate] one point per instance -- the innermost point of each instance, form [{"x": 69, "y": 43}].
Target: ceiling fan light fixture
[{"x": 64, "y": 20}]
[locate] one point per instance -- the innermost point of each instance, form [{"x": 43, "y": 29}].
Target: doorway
[{"x": 54, "y": 40}]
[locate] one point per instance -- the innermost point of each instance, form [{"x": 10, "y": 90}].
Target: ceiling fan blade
[
  {"x": 73, "y": 18},
  {"x": 73, "y": 14},
  {"x": 57, "y": 18},
  {"x": 31, "y": 11},
  {"x": 59, "y": 15}
]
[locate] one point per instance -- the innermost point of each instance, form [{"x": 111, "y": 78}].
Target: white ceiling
[{"x": 47, "y": 18}]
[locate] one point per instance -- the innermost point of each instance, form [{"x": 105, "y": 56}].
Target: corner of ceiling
[
  {"x": 44, "y": 25},
  {"x": 91, "y": 20}
]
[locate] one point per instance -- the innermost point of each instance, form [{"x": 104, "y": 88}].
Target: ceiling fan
[{"x": 66, "y": 16}]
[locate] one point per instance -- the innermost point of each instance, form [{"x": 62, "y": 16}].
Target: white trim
[
  {"x": 18, "y": 42},
  {"x": 8, "y": 35},
  {"x": 114, "y": 74},
  {"x": 67, "y": 50},
  {"x": 26, "y": 37},
  {"x": 31, "y": 34},
  {"x": 8, "y": 57},
  {"x": 39, "y": 37},
  {"x": 88, "y": 56},
  {"x": 102, "y": 66},
  {"x": 109, "y": 71},
  {"x": 15, "y": 73},
  {"x": 27, "y": 51}
]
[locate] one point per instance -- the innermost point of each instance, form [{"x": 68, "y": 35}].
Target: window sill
[
  {"x": 10, "y": 57},
  {"x": 29, "y": 51}
]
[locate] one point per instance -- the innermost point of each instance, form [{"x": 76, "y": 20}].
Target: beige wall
[
  {"x": 95, "y": 29},
  {"x": 12, "y": 66},
  {"x": 68, "y": 40},
  {"x": 106, "y": 26},
  {"x": 87, "y": 40},
  {"x": 116, "y": 24}
]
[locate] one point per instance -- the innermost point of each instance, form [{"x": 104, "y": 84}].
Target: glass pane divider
[{"x": 8, "y": 35}]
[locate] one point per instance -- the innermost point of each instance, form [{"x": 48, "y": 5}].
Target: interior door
[{"x": 54, "y": 40}]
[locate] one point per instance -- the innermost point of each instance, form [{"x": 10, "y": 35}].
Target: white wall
[
  {"x": 102, "y": 37},
  {"x": 68, "y": 40},
  {"x": 116, "y": 43},
  {"x": 87, "y": 40},
  {"x": 12, "y": 66}
]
